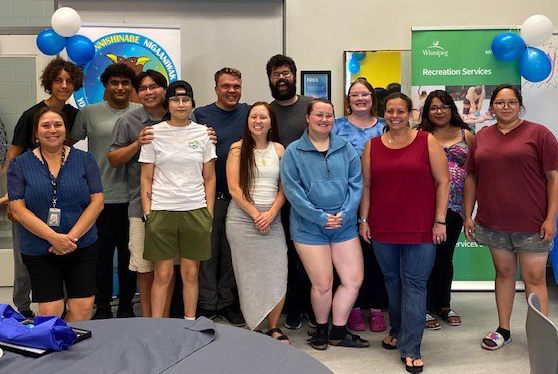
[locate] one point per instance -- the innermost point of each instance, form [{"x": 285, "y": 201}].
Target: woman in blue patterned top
[
  {"x": 358, "y": 128},
  {"x": 55, "y": 195}
]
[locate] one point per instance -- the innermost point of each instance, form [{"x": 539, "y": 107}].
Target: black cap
[{"x": 171, "y": 91}]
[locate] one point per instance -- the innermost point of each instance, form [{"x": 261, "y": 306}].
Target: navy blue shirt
[
  {"x": 229, "y": 127},
  {"x": 29, "y": 179}
]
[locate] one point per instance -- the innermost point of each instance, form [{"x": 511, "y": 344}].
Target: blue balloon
[
  {"x": 359, "y": 56},
  {"x": 50, "y": 43},
  {"x": 508, "y": 46},
  {"x": 80, "y": 49},
  {"x": 354, "y": 66},
  {"x": 535, "y": 66}
]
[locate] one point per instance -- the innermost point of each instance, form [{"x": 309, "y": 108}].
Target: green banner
[{"x": 458, "y": 57}]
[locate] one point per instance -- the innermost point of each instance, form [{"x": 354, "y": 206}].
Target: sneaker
[
  {"x": 311, "y": 319},
  {"x": 355, "y": 321},
  {"x": 293, "y": 321},
  {"x": 202, "y": 312},
  {"x": 28, "y": 314},
  {"x": 232, "y": 316},
  {"x": 377, "y": 322},
  {"x": 102, "y": 313},
  {"x": 125, "y": 311}
]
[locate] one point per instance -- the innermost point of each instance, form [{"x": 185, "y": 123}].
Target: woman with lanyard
[
  {"x": 358, "y": 128},
  {"x": 56, "y": 195}
]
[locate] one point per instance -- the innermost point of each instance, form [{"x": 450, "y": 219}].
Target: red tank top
[{"x": 402, "y": 192}]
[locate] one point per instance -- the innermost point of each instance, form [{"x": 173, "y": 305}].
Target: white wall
[
  {"x": 318, "y": 31},
  {"x": 238, "y": 34}
]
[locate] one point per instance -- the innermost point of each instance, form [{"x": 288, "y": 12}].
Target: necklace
[
  {"x": 176, "y": 137},
  {"x": 263, "y": 154},
  {"x": 392, "y": 140}
]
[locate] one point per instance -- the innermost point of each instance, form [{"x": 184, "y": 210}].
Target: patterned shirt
[
  {"x": 457, "y": 155},
  {"x": 357, "y": 136}
]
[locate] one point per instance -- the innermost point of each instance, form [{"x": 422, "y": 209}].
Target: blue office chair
[{"x": 542, "y": 339}]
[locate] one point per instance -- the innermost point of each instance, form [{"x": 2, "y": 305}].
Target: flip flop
[{"x": 430, "y": 318}]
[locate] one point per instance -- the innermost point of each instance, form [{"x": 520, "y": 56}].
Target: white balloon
[
  {"x": 66, "y": 22},
  {"x": 536, "y": 30}
]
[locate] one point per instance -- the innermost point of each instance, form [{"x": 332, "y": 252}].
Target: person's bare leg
[
  {"x": 163, "y": 271},
  {"x": 317, "y": 262},
  {"x": 349, "y": 264},
  {"x": 170, "y": 292},
  {"x": 533, "y": 273},
  {"x": 51, "y": 308},
  {"x": 189, "y": 269},
  {"x": 79, "y": 309},
  {"x": 145, "y": 281},
  {"x": 505, "y": 263},
  {"x": 273, "y": 318}
]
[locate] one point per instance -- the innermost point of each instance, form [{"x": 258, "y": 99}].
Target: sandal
[
  {"x": 450, "y": 313},
  {"x": 377, "y": 322},
  {"x": 281, "y": 337},
  {"x": 493, "y": 341},
  {"x": 431, "y": 322},
  {"x": 412, "y": 368},
  {"x": 318, "y": 339},
  {"x": 390, "y": 346},
  {"x": 351, "y": 341}
]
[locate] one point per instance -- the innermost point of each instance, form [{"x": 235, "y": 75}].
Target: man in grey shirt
[
  {"x": 290, "y": 110},
  {"x": 96, "y": 122}
]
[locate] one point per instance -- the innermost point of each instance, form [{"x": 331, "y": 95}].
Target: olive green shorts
[
  {"x": 512, "y": 241},
  {"x": 188, "y": 233}
]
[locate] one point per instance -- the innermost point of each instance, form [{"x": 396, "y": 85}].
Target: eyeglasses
[
  {"x": 441, "y": 108},
  {"x": 364, "y": 95},
  {"x": 151, "y": 87},
  {"x": 320, "y": 115},
  {"x": 512, "y": 104},
  {"x": 286, "y": 74},
  {"x": 180, "y": 99}
]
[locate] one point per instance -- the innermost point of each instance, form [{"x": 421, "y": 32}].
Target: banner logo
[
  {"x": 136, "y": 51},
  {"x": 435, "y": 50}
]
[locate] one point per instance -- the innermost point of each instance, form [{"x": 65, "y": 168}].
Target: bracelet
[
  {"x": 362, "y": 220},
  {"x": 440, "y": 222}
]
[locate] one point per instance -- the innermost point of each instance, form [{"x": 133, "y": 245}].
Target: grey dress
[{"x": 259, "y": 260}]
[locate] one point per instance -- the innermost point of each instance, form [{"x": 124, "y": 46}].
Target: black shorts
[{"x": 49, "y": 273}]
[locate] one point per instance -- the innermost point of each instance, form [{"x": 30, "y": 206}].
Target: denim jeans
[{"x": 406, "y": 269}]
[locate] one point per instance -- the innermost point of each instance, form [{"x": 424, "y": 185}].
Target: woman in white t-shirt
[
  {"x": 254, "y": 230},
  {"x": 177, "y": 194}
]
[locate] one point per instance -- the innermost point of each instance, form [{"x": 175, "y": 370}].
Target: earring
[{"x": 37, "y": 140}]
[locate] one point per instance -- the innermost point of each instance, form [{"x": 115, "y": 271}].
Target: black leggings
[{"x": 439, "y": 284}]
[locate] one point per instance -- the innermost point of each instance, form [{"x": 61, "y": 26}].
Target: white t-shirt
[{"x": 178, "y": 154}]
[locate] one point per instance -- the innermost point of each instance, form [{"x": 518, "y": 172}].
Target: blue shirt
[
  {"x": 357, "y": 136},
  {"x": 229, "y": 127},
  {"x": 29, "y": 179}
]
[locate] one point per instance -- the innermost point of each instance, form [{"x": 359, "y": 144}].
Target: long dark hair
[
  {"x": 445, "y": 98},
  {"x": 248, "y": 168}
]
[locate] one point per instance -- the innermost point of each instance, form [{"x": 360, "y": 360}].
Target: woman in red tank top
[{"x": 403, "y": 210}]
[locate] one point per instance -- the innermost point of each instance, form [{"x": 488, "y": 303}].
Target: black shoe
[
  {"x": 202, "y": 312},
  {"x": 102, "y": 313},
  {"x": 318, "y": 339},
  {"x": 232, "y": 316},
  {"x": 28, "y": 314},
  {"x": 293, "y": 321},
  {"x": 125, "y": 311},
  {"x": 311, "y": 319}
]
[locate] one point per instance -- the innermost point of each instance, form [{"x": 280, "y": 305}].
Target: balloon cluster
[
  {"x": 65, "y": 23},
  {"x": 534, "y": 64},
  {"x": 354, "y": 63}
]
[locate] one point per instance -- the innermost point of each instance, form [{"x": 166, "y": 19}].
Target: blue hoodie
[{"x": 316, "y": 185}]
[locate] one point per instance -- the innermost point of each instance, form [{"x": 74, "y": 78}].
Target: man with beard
[
  {"x": 290, "y": 110},
  {"x": 216, "y": 278},
  {"x": 96, "y": 122}
]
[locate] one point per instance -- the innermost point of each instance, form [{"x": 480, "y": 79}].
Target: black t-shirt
[{"x": 24, "y": 127}]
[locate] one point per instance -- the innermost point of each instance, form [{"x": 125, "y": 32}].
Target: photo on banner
[{"x": 460, "y": 61}]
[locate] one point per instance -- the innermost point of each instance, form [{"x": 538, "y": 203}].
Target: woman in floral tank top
[{"x": 440, "y": 117}]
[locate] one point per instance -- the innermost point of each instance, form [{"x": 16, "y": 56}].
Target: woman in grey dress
[{"x": 254, "y": 230}]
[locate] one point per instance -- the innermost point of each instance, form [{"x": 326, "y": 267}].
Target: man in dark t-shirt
[
  {"x": 216, "y": 278},
  {"x": 60, "y": 79}
]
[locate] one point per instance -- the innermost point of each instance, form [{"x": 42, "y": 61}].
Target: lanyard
[{"x": 54, "y": 181}]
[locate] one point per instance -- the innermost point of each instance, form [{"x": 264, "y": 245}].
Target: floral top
[
  {"x": 357, "y": 136},
  {"x": 457, "y": 155}
]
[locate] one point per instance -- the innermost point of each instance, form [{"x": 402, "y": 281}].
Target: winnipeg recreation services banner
[
  {"x": 141, "y": 47},
  {"x": 460, "y": 62}
]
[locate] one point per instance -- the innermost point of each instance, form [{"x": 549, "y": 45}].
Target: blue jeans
[{"x": 406, "y": 269}]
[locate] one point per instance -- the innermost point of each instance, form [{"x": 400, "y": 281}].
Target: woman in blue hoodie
[{"x": 322, "y": 180}]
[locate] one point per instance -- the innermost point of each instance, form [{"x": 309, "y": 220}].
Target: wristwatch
[
  {"x": 145, "y": 217},
  {"x": 361, "y": 220}
]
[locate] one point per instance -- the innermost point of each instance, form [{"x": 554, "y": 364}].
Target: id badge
[{"x": 53, "y": 217}]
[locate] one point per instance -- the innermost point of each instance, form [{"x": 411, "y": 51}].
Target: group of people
[{"x": 271, "y": 199}]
